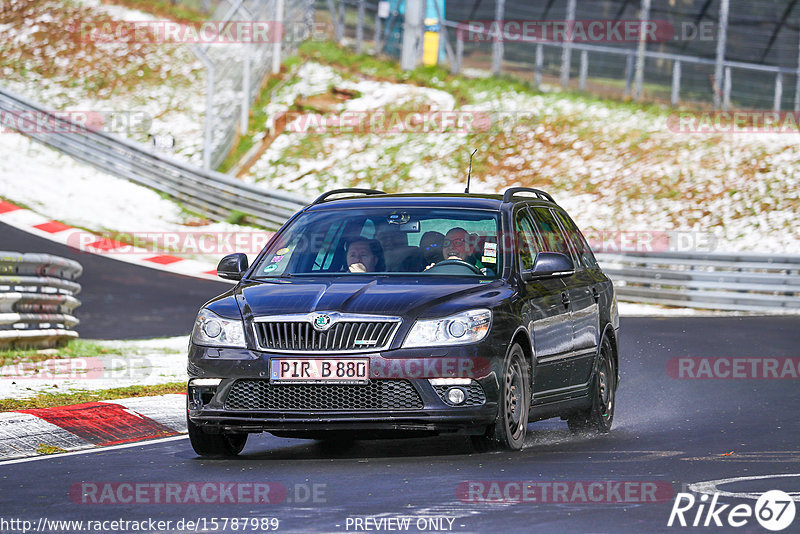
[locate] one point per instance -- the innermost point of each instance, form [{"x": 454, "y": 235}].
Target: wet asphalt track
[{"x": 666, "y": 430}]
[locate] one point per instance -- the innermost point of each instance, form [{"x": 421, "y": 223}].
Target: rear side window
[
  {"x": 553, "y": 237},
  {"x": 582, "y": 249}
]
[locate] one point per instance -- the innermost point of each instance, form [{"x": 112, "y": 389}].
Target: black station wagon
[{"x": 387, "y": 315}]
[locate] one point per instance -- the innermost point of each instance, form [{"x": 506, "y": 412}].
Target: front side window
[
  {"x": 386, "y": 241},
  {"x": 526, "y": 239}
]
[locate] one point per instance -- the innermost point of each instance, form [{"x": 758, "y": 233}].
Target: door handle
[
  {"x": 565, "y": 299},
  {"x": 595, "y": 294}
]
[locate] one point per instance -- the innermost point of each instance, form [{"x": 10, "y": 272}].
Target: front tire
[
  {"x": 225, "y": 444},
  {"x": 600, "y": 416},
  {"x": 508, "y": 431}
]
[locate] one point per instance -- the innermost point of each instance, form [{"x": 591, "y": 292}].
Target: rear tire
[
  {"x": 508, "y": 431},
  {"x": 599, "y": 417},
  {"x": 226, "y": 444}
]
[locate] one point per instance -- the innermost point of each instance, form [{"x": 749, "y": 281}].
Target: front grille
[
  {"x": 301, "y": 336},
  {"x": 475, "y": 394},
  {"x": 375, "y": 395}
]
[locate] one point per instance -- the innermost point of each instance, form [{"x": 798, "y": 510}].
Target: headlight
[
  {"x": 211, "y": 329},
  {"x": 459, "y": 329}
]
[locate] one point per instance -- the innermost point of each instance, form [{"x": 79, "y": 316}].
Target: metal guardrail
[
  {"x": 209, "y": 193},
  {"x": 37, "y": 299},
  {"x": 717, "y": 281}
]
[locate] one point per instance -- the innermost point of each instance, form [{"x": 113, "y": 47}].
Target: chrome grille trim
[{"x": 296, "y": 333}]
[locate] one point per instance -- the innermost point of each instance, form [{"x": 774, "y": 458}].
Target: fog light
[{"x": 456, "y": 395}]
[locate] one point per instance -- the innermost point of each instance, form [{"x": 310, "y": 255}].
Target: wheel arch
[
  {"x": 522, "y": 338},
  {"x": 609, "y": 332}
]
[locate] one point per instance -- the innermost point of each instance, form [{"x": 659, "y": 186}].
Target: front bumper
[{"x": 208, "y": 406}]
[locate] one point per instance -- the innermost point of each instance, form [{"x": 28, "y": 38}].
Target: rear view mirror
[
  {"x": 549, "y": 264},
  {"x": 232, "y": 266}
]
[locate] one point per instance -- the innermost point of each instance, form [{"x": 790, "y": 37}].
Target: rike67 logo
[{"x": 774, "y": 510}]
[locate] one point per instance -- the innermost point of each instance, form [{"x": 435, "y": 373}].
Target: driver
[{"x": 458, "y": 245}]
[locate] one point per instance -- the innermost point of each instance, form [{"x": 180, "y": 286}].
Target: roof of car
[{"x": 443, "y": 200}]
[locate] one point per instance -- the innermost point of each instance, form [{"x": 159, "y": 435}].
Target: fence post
[
  {"x": 726, "y": 90},
  {"x": 776, "y": 105},
  {"x": 628, "y": 74},
  {"x": 209, "y": 118},
  {"x": 376, "y": 39},
  {"x": 497, "y": 45},
  {"x": 360, "y": 27},
  {"x": 721, "y": 41},
  {"x": 335, "y": 19},
  {"x": 676, "y": 82},
  {"x": 245, "y": 111},
  {"x": 342, "y": 25},
  {"x": 584, "y": 70},
  {"x": 797, "y": 82},
  {"x": 276, "y": 46},
  {"x": 409, "y": 57},
  {"x": 566, "y": 47},
  {"x": 445, "y": 36},
  {"x": 537, "y": 73},
  {"x": 641, "y": 50},
  {"x": 456, "y": 68}
]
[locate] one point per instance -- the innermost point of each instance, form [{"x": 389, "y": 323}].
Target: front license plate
[{"x": 311, "y": 370}]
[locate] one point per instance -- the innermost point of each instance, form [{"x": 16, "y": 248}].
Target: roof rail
[
  {"x": 324, "y": 196},
  {"x": 509, "y": 194}
]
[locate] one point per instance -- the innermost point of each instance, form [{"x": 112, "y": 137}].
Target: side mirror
[
  {"x": 549, "y": 264},
  {"x": 232, "y": 266}
]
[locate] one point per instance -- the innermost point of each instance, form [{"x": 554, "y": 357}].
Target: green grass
[
  {"x": 48, "y": 449},
  {"x": 48, "y": 400},
  {"x": 76, "y": 348}
]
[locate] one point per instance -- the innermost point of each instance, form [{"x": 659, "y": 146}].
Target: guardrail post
[
  {"x": 721, "y": 42},
  {"x": 776, "y": 104},
  {"x": 676, "y": 83},
  {"x": 584, "y": 70},
  {"x": 537, "y": 73},
  {"x": 566, "y": 46},
  {"x": 641, "y": 50},
  {"x": 497, "y": 45}
]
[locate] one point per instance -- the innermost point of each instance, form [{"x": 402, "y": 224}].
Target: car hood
[{"x": 396, "y": 296}]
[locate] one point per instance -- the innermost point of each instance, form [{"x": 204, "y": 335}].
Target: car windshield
[{"x": 386, "y": 241}]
